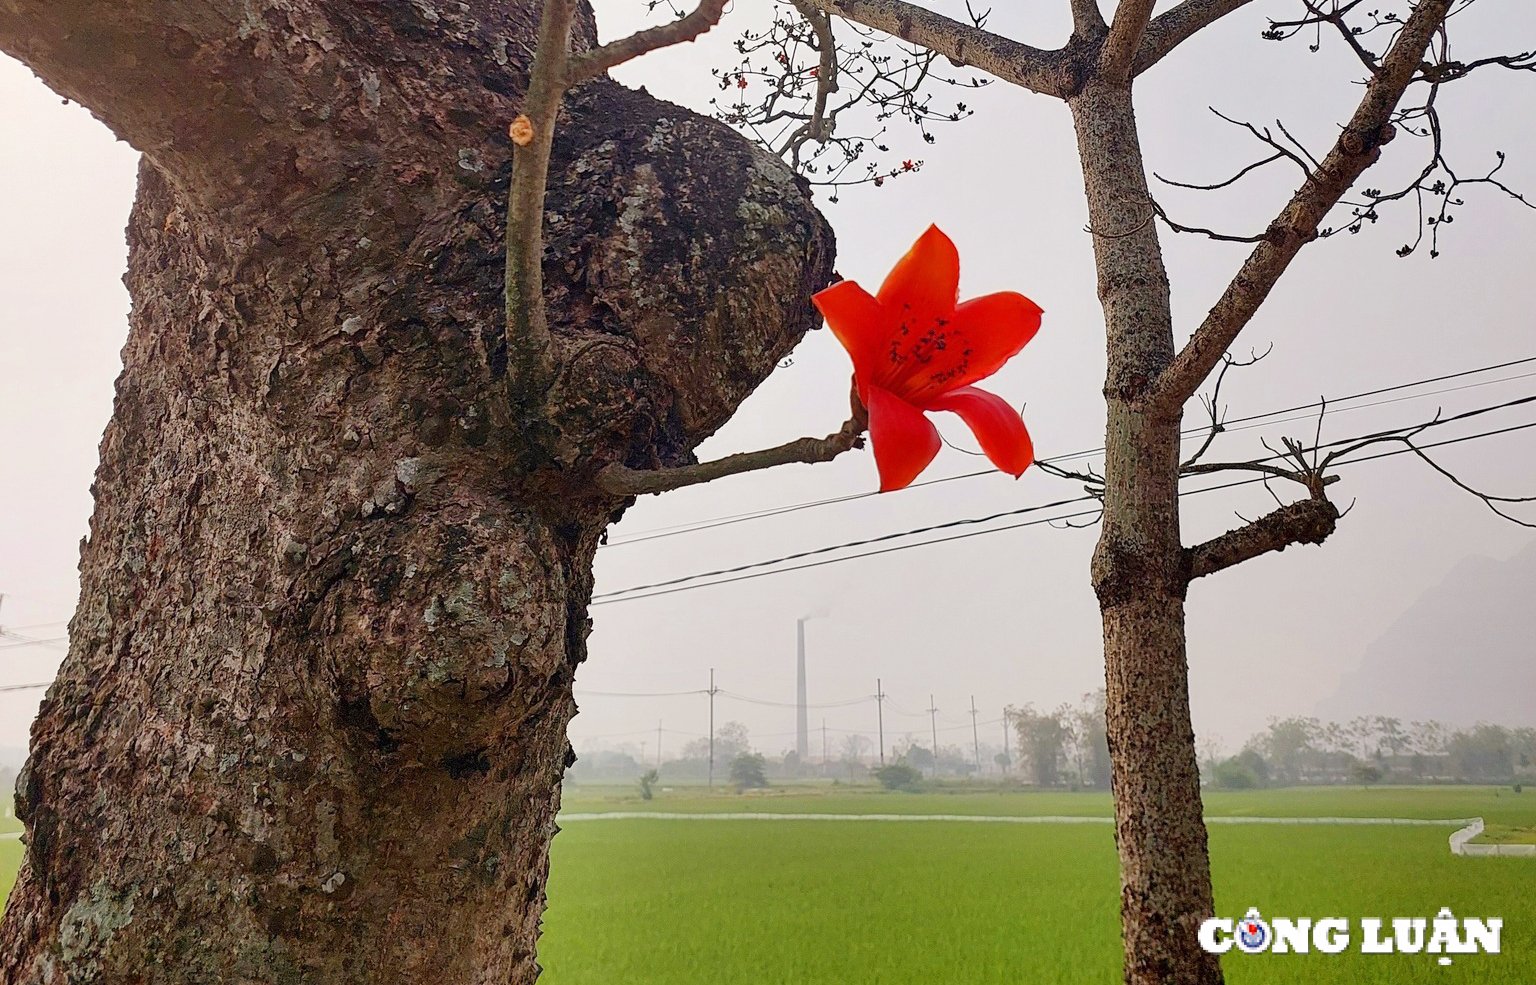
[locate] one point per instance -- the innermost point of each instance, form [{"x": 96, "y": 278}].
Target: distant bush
[
  {"x": 749, "y": 771},
  {"x": 647, "y": 781},
  {"x": 1366, "y": 774},
  {"x": 898, "y": 776},
  {"x": 1234, "y": 774}
]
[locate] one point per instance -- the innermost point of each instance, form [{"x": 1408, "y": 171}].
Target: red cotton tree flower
[{"x": 916, "y": 348}]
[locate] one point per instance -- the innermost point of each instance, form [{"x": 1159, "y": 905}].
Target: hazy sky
[{"x": 1007, "y": 617}]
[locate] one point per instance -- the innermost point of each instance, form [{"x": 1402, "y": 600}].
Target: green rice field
[
  {"x": 869, "y": 902},
  {"x": 692, "y": 902},
  {"x": 10, "y": 853}
]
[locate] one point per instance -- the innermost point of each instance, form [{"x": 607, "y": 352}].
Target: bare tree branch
[
  {"x": 529, "y": 360},
  {"x": 1212, "y": 404},
  {"x": 1307, "y": 521},
  {"x": 1032, "y": 68},
  {"x": 1489, "y": 500},
  {"x": 687, "y": 28},
  {"x": 1406, "y": 437},
  {"x": 1220, "y": 237},
  {"x": 623, "y": 481},
  {"x": 819, "y": 125},
  {"x": 125, "y": 60},
  {"x": 1262, "y": 467},
  {"x": 1169, "y": 30},
  {"x": 1093, "y": 483},
  {"x": 1358, "y": 146},
  {"x": 1125, "y": 33},
  {"x": 1087, "y": 19}
]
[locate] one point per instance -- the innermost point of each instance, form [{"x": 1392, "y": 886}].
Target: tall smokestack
[{"x": 802, "y": 724}]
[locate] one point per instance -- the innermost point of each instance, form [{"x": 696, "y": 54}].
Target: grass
[
  {"x": 10, "y": 852},
  {"x": 683, "y": 902},
  {"x": 688, "y": 903},
  {"x": 1504, "y": 834},
  {"x": 673, "y": 902},
  {"x": 10, "y": 861},
  {"x": 670, "y": 902}
]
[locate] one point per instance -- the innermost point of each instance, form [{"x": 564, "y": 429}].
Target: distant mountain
[{"x": 1465, "y": 652}]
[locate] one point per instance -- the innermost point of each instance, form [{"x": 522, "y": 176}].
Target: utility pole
[
  {"x": 975, "y": 741},
  {"x": 823, "y": 747},
  {"x": 658, "y": 743},
  {"x": 1006, "y": 756},
  {"x": 880, "y": 716},
  {"x": 802, "y": 730},
  {"x": 712, "y": 692},
  {"x": 933, "y": 723}
]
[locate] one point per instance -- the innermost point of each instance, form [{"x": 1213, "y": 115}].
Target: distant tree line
[
  {"x": 1067, "y": 747},
  {"x": 1375, "y": 749},
  {"x": 736, "y": 762}
]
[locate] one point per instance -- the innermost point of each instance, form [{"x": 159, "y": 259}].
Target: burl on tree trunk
[{"x": 313, "y": 718}]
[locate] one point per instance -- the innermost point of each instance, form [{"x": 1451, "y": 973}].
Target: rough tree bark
[
  {"x": 313, "y": 717},
  {"x": 1139, "y": 571}
]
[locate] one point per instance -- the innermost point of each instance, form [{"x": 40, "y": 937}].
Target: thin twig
[
  {"x": 623, "y": 481},
  {"x": 686, "y": 28},
  {"x": 1357, "y": 148},
  {"x": 530, "y": 361}
]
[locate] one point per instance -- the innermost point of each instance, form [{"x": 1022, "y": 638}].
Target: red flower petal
[
  {"x": 924, "y": 286},
  {"x": 998, "y": 427},
  {"x": 904, "y": 440},
  {"x": 856, "y": 319},
  {"x": 982, "y": 335}
]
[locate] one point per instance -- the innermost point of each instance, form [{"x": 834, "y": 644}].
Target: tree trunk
[
  {"x": 312, "y": 723},
  {"x": 1139, "y": 571}
]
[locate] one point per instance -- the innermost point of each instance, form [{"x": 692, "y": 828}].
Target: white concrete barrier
[
  {"x": 1461, "y": 844},
  {"x": 1470, "y": 827}
]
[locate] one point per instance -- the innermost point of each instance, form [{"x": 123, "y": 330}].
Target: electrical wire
[
  {"x": 1236, "y": 424},
  {"x": 685, "y": 583}
]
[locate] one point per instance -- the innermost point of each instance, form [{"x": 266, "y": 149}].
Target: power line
[
  {"x": 583, "y": 693},
  {"x": 580, "y": 693},
  {"x": 21, "y": 687},
  {"x": 1228, "y": 426},
  {"x": 597, "y": 599},
  {"x": 685, "y": 583},
  {"x": 790, "y": 704},
  {"x": 37, "y": 625},
  {"x": 20, "y": 641},
  {"x": 970, "y": 521}
]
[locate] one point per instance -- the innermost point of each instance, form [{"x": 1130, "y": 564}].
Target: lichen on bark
[{"x": 312, "y": 721}]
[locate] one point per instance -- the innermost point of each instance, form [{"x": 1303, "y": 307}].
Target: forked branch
[
  {"x": 1169, "y": 30},
  {"x": 1125, "y": 34},
  {"x": 530, "y": 360},
  {"x": 1358, "y": 146},
  {"x": 1087, "y": 19},
  {"x": 963, "y": 44},
  {"x": 686, "y": 28}
]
